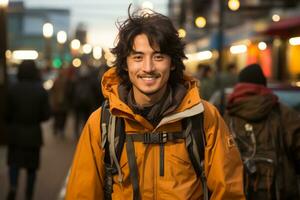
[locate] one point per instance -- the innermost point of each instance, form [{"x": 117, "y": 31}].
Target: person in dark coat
[
  {"x": 267, "y": 133},
  {"x": 27, "y": 106},
  {"x": 59, "y": 101}
]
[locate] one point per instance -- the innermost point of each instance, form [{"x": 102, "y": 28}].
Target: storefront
[{"x": 286, "y": 47}]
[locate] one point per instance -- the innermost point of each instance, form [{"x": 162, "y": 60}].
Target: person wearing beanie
[
  {"x": 267, "y": 134},
  {"x": 252, "y": 74}
]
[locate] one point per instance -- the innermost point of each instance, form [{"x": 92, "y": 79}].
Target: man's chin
[{"x": 150, "y": 92}]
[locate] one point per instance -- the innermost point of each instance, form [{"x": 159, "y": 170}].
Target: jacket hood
[
  {"x": 110, "y": 88},
  {"x": 251, "y": 102}
]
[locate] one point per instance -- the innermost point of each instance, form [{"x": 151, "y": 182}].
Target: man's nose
[{"x": 148, "y": 65}]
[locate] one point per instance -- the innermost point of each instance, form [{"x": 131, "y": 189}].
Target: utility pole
[
  {"x": 220, "y": 55},
  {"x": 3, "y": 67}
]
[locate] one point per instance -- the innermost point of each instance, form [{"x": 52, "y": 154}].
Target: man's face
[{"x": 148, "y": 69}]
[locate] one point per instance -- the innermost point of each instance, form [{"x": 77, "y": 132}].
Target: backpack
[
  {"x": 260, "y": 146},
  {"x": 114, "y": 137}
]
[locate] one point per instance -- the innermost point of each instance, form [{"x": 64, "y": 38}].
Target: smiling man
[
  {"x": 148, "y": 71},
  {"x": 160, "y": 140}
]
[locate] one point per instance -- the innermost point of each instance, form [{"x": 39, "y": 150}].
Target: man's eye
[
  {"x": 137, "y": 58},
  {"x": 159, "y": 57}
]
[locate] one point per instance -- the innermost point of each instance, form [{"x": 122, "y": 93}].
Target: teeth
[{"x": 148, "y": 78}]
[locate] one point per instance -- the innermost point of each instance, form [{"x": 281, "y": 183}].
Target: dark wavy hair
[{"x": 160, "y": 31}]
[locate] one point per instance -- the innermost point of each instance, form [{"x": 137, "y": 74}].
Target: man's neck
[{"x": 145, "y": 100}]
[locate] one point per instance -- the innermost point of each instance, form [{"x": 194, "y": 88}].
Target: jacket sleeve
[
  {"x": 87, "y": 172},
  {"x": 223, "y": 165},
  {"x": 290, "y": 122}
]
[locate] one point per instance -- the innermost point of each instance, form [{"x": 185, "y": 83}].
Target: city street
[
  {"x": 56, "y": 158},
  {"x": 159, "y": 65}
]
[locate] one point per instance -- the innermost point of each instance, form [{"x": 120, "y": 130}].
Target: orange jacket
[{"x": 223, "y": 166}]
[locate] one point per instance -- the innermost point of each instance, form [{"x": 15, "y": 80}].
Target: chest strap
[
  {"x": 156, "y": 138},
  {"x": 147, "y": 138}
]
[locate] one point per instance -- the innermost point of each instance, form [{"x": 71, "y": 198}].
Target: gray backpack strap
[
  {"x": 104, "y": 121},
  {"x": 112, "y": 145},
  {"x": 113, "y": 136}
]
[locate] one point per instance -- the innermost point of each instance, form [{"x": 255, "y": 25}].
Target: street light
[
  {"x": 61, "y": 40},
  {"x": 75, "y": 44},
  {"x": 47, "y": 33},
  {"x": 47, "y": 30},
  {"x": 181, "y": 33},
  {"x": 3, "y": 3},
  {"x": 75, "y": 47},
  {"x": 97, "y": 52},
  {"x": 61, "y": 37},
  {"x": 200, "y": 22},
  {"x": 3, "y": 75},
  {"x": 234, "y": 5},
  {"x": 87, "y": 48}
]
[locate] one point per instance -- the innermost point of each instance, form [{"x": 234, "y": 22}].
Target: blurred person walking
[
  {"x": 60, "y": 101},
  {"x": 268, "y": 136},
  {"x": 207, "y": 81},
  {"x": 27, "y": 106},
  {"x": 229, "y": 77},
  {"x": 84, "y": 96},
  {"x": 154, "y": 138},
  {"x": 226, "y": 79}
]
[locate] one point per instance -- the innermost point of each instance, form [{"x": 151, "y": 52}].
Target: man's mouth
[{"x": 149, "y": 77}]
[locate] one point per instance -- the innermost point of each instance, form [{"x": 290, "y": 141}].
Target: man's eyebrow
[
  {"x": 139, "y": 52},
  {"x": 136, "y": 52}
]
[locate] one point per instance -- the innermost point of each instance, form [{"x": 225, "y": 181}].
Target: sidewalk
[{"x": 56, "y": 158}]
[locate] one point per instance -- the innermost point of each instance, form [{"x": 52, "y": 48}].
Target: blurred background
[{"x": 70, "y": 39}]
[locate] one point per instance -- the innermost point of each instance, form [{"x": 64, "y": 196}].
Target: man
[
  {"x": 268, "y": 136},
  {"x": 149, "y": 91}
]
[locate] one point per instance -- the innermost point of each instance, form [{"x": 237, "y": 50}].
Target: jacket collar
[{"x": 190, "y": 105}]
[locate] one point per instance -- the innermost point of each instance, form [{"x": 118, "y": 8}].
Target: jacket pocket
[{"x": 177, "y": 162}]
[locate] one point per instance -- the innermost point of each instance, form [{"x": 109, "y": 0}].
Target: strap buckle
[{"x": 152, "y": 138}]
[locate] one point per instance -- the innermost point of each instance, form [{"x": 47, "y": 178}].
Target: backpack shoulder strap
[
  {"x": 104, "y": 121},
  {"x": 113, "y": 138},
  {"x": 106, "y": 124},
  {"x": 195, "y": 143},
  {"x": 200, "y": 139},
  {"x": 195, "y": 140}
]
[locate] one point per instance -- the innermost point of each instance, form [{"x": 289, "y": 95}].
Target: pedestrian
[
  {"x": 60, "y": 103},
  {"x": 84, "y": 99},
  {"x": 154, "y": 103},
  {"x": 207, "y": 81},
  {"x": 228, "y": 77},
  {"x": 27, "y": 106},
  {"x": 224, "y": 81},
  {"x": 268, "y": 136}
]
